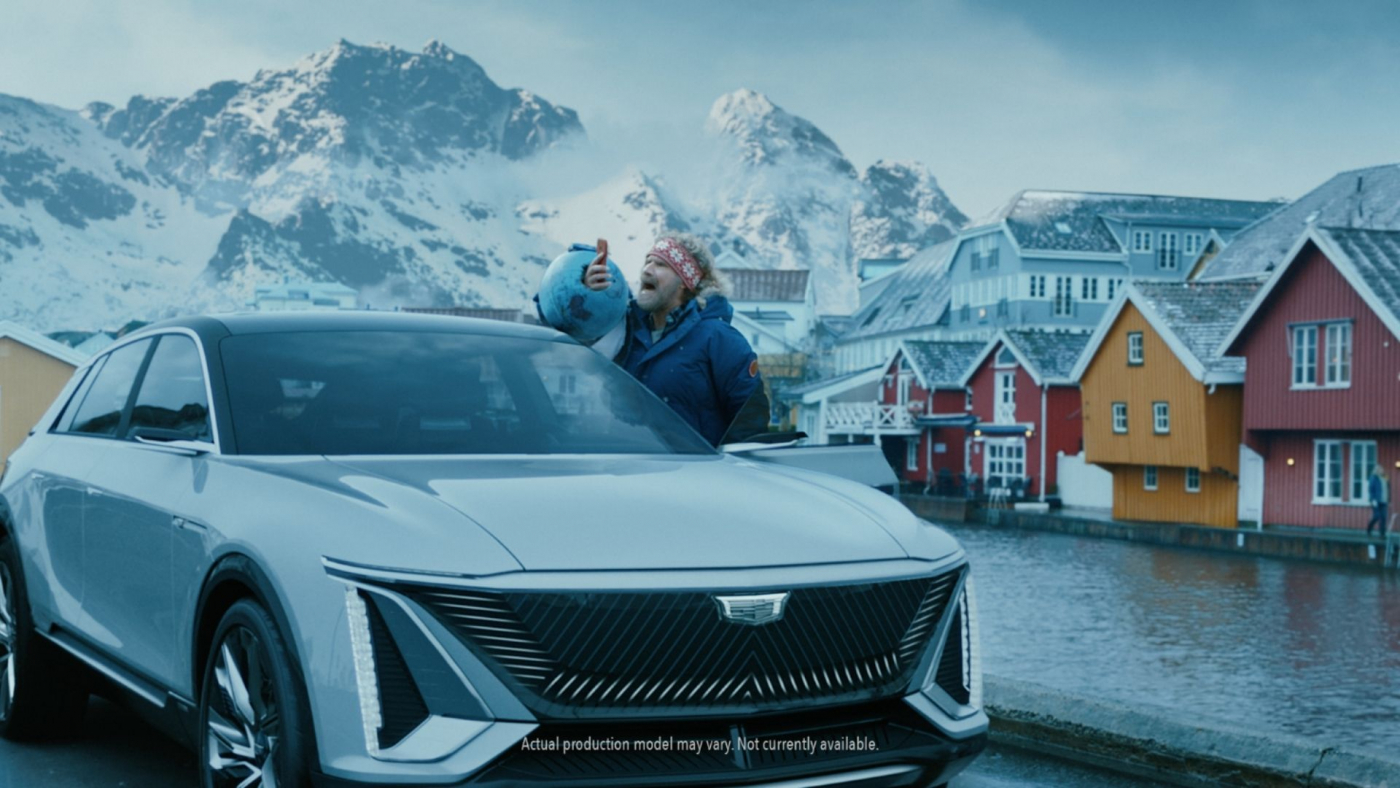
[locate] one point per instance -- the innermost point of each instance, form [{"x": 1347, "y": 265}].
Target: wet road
[
  {"x": 1308, "y": 649},
  {"x": 116, "y": 750}
]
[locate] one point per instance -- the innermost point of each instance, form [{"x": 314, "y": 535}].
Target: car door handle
[{"x": 183, "y": 524}]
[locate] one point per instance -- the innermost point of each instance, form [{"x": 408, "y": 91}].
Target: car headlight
[{"x": 958, "y": 673}]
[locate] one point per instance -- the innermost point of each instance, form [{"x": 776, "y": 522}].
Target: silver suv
[{"x": 360, "y": 549}]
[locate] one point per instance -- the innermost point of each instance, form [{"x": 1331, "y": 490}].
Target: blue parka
[{"x": 702, "y": 366}]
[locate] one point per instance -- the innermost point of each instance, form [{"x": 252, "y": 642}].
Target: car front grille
[{"x": 585, "y": 654}]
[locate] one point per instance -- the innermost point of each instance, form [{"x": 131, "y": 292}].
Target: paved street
[{"x": 116, "y": 750}]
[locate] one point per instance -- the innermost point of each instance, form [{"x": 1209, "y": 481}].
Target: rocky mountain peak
[{"x": 767, "y": 134}]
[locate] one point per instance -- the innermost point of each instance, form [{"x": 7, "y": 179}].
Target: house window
[
  {"x": 1168, "y": 255},
  {"x": 904, "y": 388},
  {"x": 1191, "y": 243},
  {"x": 1089, "y": 288},
  {"x": 1327, "y": 472},
  {"x": 1149, "y": 477},
  {"x": 1038, "y": 286},
  {"x": 1135, "y": 347},
  {"x": 1304, "y": 356},
  {"x": 966, "y": 313},
  {"x": 1193, "y": 480},
  {"x": 1142, "y": 240},
  {"x": 967, "y": 402},
  {"x": 1006, "y": 357},
  {"x": 1363, "y": 459},
  {"x": 1064, "y": 296},
  {"x": 1161, "y": 418},
  {"x": 1338, "y": 351},
  {"x": 1005, "y": 461},
  {"x": 987, "y": 248},
  {"x": 1120, "y": 417},
  {"x": 911, "y": 454},
  {"x": 1113, "y": 286},
  {"x": 1003, "y": 308}
]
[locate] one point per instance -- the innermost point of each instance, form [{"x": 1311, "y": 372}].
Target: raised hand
[{"x": 596, "y": 276}]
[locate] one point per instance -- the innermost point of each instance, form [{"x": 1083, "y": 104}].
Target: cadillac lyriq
[{"x": 357, "y": 548}]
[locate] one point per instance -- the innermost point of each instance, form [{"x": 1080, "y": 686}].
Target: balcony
[{"x": 869, "y": 418}]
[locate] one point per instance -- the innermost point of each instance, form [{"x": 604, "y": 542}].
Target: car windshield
[{"x": 402, "y": 392}]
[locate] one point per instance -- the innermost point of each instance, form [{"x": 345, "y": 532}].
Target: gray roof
[
  {"x": 1201, "y": 314},
  {"x": 1365, "y": 199},
  {"x": 1052, "y": 353},
  {"x": 917, "y": 295},
  {"x": 1073, "y": 221},
  {"x": 796, "y": 392},
  {"x": 1376, "y": 257},
  {"x": 761, "y": 284},
  {"x": 943, "y": 363}
]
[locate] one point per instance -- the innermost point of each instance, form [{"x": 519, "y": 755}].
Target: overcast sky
[{"x": 1248, "y": 100}]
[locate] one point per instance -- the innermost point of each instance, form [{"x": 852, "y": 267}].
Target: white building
[{"x": 304, "y": 297}]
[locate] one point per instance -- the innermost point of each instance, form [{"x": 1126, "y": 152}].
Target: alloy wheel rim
[
  {"x": 243, "y": 723},
  {"x": 7, "y": 642}
]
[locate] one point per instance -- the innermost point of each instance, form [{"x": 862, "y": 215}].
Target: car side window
[
  {"x": 64, "y": 423},
  {"x": 172, "y": 395},
  {"x": 100, "y": 412}
]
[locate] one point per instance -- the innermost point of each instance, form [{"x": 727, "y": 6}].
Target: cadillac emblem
[{"x": 752, "y": 609}]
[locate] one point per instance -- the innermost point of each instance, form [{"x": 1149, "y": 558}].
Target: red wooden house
[
  {"x": 1322, "y": 385},
  {"x": 1026, "y": 408},
  {"x": 922, "y": 384}
]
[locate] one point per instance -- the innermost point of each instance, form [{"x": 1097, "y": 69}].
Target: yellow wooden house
[
  {"x": 1161, "y": 407},
  {"x": 33, "y": 370}
]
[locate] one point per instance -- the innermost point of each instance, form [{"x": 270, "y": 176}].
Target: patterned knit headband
[{"x": 670, "y": 252}]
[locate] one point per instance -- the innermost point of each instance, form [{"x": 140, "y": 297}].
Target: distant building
[
  {"x": 303, "y": 297},
  {"x": 1322, "y": 397},
  {"x": 1364, "y": 199},
  {"x": 781, "y": 301},
  {"x": 922, "y": 388},
  {"x": 480, "y": 313},
  {"x": 87, "y": 343},
  {"x": 1161, "y": 406},
  {"x": 33, "y": 370},
  {"x": 1026, "y": 408},
  {"x": 868, "y": 268},
  {"x": 1057, "y": 259}
]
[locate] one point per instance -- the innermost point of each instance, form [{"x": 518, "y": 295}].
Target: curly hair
[{"x": 713, "y": 282}]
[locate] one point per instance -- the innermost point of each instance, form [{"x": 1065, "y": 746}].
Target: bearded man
[{"x": 677, "y": 340}]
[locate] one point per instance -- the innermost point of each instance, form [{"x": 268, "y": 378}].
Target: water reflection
[{"x": 1307, "y": 649}]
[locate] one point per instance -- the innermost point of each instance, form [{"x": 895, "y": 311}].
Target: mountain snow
[{"x": 409, "y": 177}]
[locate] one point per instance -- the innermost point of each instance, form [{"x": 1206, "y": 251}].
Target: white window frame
[
  {"x": 1304, "y": 347},
  {"x": 911, "y": 454},
  {"x": 1089, "y": 288},
  {"x": 967, "y": 403},
  {"x": 1135, "y": 358},
  {"x": 1149, "y": 478},
  {"x": 1037, "y": 286},
  {"x": 1169, "y": 253},
  {"x": 1004, "y": 400},
  {"x": 1142, "y": 240},
  {"x": 1161, "y": 418},
  {"x": 998, "y": 453},
  {"x": 1191, "y": 243},
  {"x": 1064, "y": 297},
  {"x": 1120, "y": 418},
  {"x": 1338, "y": 367},
  {"x": 1193, "y": 480},
  {"x": 904, "y": 380},
  {"x": 1359, "y": 472},
  {"x": 1327, "y": 472}
]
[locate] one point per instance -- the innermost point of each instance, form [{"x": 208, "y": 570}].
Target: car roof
[{"x": 213, "y": 327}]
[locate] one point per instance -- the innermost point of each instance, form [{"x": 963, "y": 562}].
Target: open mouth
[{"x": 648, "y": 287}]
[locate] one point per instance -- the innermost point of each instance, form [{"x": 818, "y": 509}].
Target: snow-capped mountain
[
  {"x": 905, "y": 211},
  {"x": 790, "y": 193},
  {"x": 410, "y": 176}
]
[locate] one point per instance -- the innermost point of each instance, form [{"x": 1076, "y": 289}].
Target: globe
[{"x": 568, "y": 304}]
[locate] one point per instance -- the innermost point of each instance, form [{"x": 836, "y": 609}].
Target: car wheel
[
  {"x": 42, "y": 693},
  {"x": 255, "y": 726}
]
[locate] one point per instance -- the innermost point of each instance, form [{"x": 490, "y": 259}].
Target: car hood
[{"x": 620, "y": 513}]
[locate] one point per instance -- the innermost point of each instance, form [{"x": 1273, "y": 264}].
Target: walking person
[{"x": 1379, "y": 493}]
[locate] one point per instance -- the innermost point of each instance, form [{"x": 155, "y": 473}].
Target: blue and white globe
[{"x": 568, "y": 304}]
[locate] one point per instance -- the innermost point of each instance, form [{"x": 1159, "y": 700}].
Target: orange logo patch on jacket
[{"x": 753, "y": 368}]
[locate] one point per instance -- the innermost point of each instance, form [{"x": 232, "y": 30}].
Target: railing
[{"x": 867, "y": 417}]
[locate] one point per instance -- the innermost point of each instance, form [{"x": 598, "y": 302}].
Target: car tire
[
  {"x": 247, "y": 730},
  {"x": 43, "y": 692}
]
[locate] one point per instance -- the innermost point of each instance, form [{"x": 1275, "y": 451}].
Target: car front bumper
[{"x": 890, "y": 743}]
